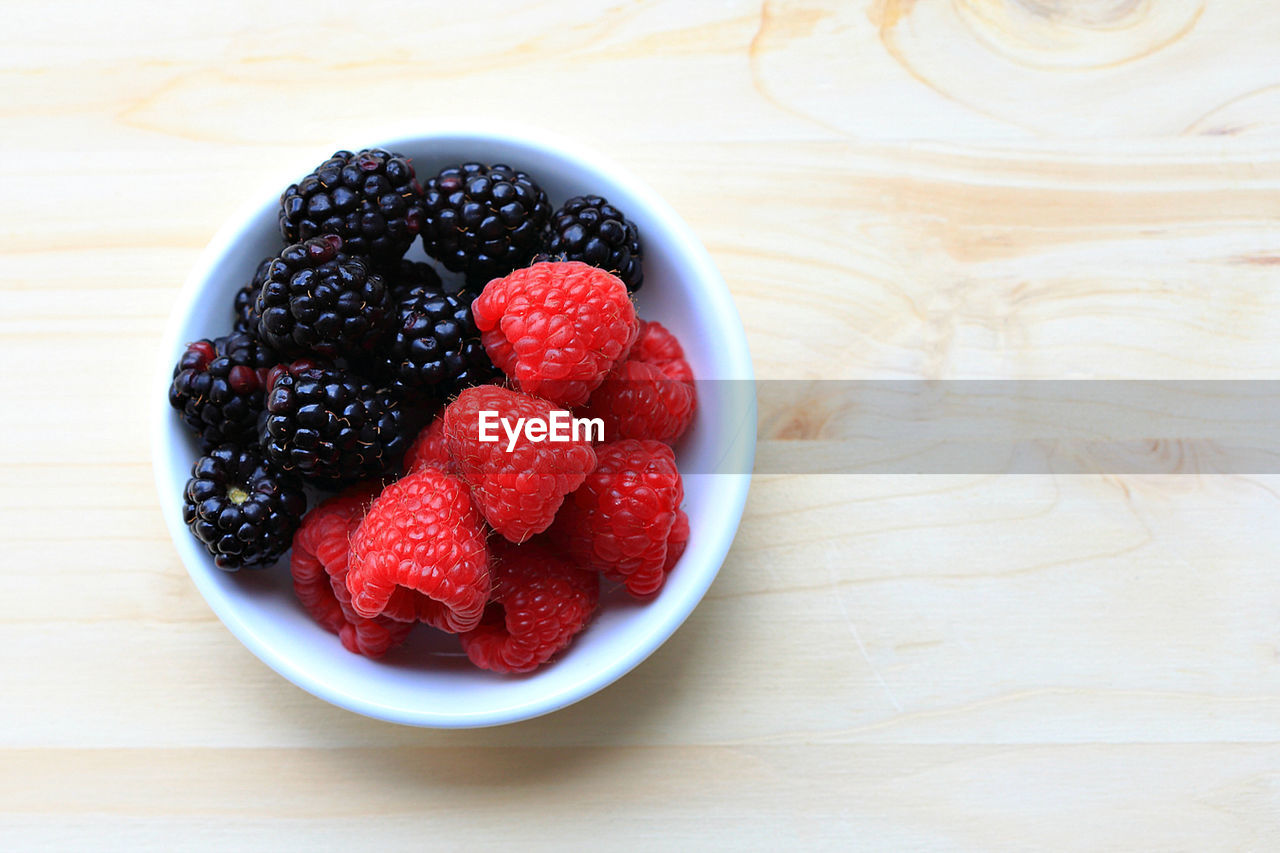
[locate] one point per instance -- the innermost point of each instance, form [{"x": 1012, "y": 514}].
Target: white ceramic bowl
[{"x": 427, "y": 682}]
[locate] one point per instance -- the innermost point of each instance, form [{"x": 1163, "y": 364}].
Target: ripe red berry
[
  {"x": 539, "y": 603},
  {"x": 676, "y": 541},
  {"x": 556, "y": 328},
  {"x": 319, "y": 567},
  {"x": 650, "y": 394},
  {"x": 518, "y": 489},
  {"x": 657, "y": 346},
  {"x": 637, "y": 401},
  {"x": 430, "y": 449},
  {"x": 420, "y": 552},
  {"x": 625, "y": 520}
]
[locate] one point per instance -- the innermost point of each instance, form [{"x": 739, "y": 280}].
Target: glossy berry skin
[
  {"x": 434, "y": 347},
  {"x": 556, "y": 328},
  {"x": 242, "y": 510},
  {"x": 539, "y": 604},
  {"x": 625, "y": 519},
  {"x": 245, "y": 306},
  {"x": 369, "y": 198},
  {"x": 406, "y": 275},
  {"x": 483, "y": 221},
  {"x": 318, "y": 564},
  {"x": 420, "y": 552},
  {"x": 316, "y": 300},
  {"x": 218, "y": 387},
  {"x": 329, "y": 425},
  {"x": 589, "y": 229},
  {"x": 517, "y": 490},
  {"x": 650, "y": 394}
]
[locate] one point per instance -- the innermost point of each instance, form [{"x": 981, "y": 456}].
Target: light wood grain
[{"x": 898, "y": 188}]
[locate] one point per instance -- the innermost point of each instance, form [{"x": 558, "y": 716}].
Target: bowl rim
[{"x": 733, "y": 487}]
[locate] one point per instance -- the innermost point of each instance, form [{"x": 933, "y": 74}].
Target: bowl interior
[{"x": 428, "y": 681}]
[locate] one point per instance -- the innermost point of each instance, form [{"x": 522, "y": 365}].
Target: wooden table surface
[{"x": 901, "y": 188}]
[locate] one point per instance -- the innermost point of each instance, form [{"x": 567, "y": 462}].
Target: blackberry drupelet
[
  {"x": 370, "y": 199},
  {"x": 218, "y": 387},
  {"x": 407, "y": 275},
  {"x": 435, "y": 347},
  {"x": 328, "y": 424},
  {"x": 245, "y": 308},
  {"x": 589, "y": 229},
  {"x": 484, "y": 221},
  {"x": 241, "y": 509},
  {"x": 318, "y": 300}
]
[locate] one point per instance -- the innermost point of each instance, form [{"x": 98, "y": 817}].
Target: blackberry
[
  {"x": 589, "y": 229},
  {"x": 484, "y": 221},
  {"x": 317, "y": 300},
  {"x": 369, "y": 199},
  {"x": 435, "y": 347},
  {"x": 241, "y": 509},
  {"x": 218, "y": 387},
  {"x": 407, "y": 275},
  {"x": 328, "y": 424},
  {"x": 245, "y": 308}
]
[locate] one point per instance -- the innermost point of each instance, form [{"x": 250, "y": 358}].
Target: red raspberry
[
  {"x": 539, "y": 604},
  {"x": 430, "y": 449},
  {"x": 625, "y": 520},
  {"x": 405, "y": 606},
  {"x": 651, "y": 394},
  {"x": 517, "y": 490},
  {"x": 319, "y": 568},
  {"x": 677, "y": 541},
  {"x": 422, "y": 535},
  {"x": 556, "y": 328},
  {"x": 657, "y": 346}
]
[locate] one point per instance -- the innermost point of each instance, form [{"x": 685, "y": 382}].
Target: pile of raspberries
[{"x": 367, "y": 386}]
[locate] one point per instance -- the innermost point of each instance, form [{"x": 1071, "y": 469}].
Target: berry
[
  {"x": 637, "y": 401},
  {"x": 657, "y": 346},
  {"x": 483, "y": 221},
  {"x": 589, "y": 229},
  {"x": 326, "y": 423},
  {"x": 435, "y": 347},
  {"x": 218, "y": 387},
  {"x": 539, "y": 604},
  {"x": 556, "y": 328},
  {"x": 649, "y": 395},
  {"x": 430, "y": 449},
  {"x": 517, "y": 490},
  {"x": 370, "y": 199},
  {"x": 407, "y": 275},
  {"x": 624, "y": 521},
  {"x": 676, "y": 541},
  {"x": 245, "y": 308},
  {"x": 242, "y": 510},
  {"x": 319, "y": 567},
  {"x": 422, "y": 538},
  {"x": 317, "y": 300}
]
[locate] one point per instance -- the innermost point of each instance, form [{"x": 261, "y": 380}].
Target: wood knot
[
  {"x": 1091, "y": 14},
  {"x": 1078, "y": 34}
]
